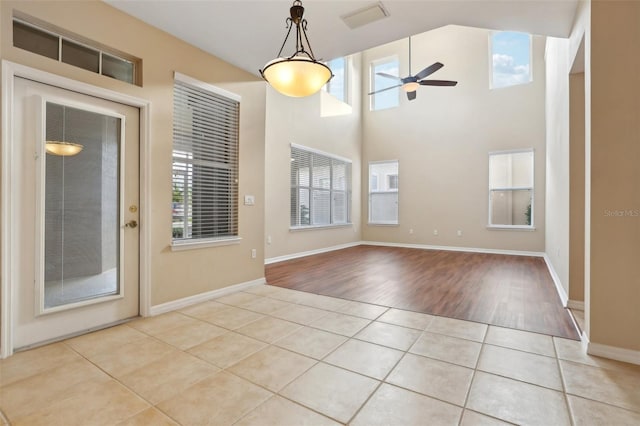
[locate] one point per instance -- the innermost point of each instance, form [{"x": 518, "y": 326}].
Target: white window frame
[
  {"x": 372, "y": 82},
  {"x": 191, "y": 242},
  {"x": 347, "y": 191},
  {"x": 512, "y": 188},
  {"x": 387, "y": 178},
  {"x": 492, "y": 85}
]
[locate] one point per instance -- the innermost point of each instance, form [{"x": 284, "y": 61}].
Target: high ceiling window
[
  {"x": 387, "y": 98},
  {"x": 338, "y": 85},
  {"x": 510, "y": 59}
]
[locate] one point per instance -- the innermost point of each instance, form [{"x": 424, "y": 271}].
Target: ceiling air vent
[{"x": 365, "y": 16}]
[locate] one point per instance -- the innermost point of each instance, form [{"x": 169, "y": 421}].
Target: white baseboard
[
  {"x": 451, "y": 248},
  {"x": 556, "y": 280},
  {"x": 612, "y": 352},
  {"x": 310, "y": 252},
  {"x": 202, "y": 297},
  {"x": 578, "y": 305}
]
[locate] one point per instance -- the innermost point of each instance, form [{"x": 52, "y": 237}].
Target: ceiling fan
[{"x": 411, "y": 83}]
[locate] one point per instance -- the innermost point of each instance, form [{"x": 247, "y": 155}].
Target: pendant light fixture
[
  {"x": 63, "y": 148},
  {"x": 300, "y": 74}
]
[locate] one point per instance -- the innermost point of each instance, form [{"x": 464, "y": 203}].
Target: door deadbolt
[
  {"x": 133, "y": 208},
  {"x": 131, "y": 224}
]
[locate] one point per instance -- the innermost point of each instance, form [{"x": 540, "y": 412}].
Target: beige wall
[
  {"x": 174, "y": 275},
  {"x": 557, "y": 195},
  {"x": 442, "y": 140},
  {"x": 299, "y": 121},
  {"x": 576, "y": 179},
  {"x": 615, "y": 174}
]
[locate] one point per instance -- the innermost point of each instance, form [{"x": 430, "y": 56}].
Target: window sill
[
  {"x": 315, "y": 227},
  {"x": 198, "y": 244},
  {"x": 383, "y": 224},
  {"x": 511, "y": 228}
]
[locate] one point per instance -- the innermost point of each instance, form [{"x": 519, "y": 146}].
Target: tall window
[
  {"x": 511, "y": 189},
  {"x": 510, "y": 59},
  {"x": 320, "y": 188},
  {"x": 383, "y": 192},
  {"x": 388, "y": 98},
  {"x": 338, "y": 85},
  {"x": 205, "y": 161}
]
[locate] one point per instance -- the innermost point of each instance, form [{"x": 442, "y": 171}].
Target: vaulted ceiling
[{"x": 248, "y": 33}]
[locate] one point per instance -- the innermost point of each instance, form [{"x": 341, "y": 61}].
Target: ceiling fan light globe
[
  {"x": 412, "y": 86},
  {"x": 296, "y": 77}
]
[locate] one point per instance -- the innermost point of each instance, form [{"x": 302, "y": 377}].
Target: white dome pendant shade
[{"x": 300, "y": 74}]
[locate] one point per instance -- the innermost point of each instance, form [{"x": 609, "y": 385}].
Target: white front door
[{"x": 75, "y": 215}]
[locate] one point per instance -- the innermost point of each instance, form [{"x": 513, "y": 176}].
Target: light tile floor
[{"x": 271, "y": 356}]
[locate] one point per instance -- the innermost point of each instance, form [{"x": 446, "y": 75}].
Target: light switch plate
[{"x": 249, "y": 200}]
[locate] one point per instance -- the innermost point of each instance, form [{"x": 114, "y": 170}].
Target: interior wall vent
[{"x": 365, "y": 15}]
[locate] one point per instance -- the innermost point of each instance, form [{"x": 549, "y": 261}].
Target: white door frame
[{"x": 8, "y": 235}]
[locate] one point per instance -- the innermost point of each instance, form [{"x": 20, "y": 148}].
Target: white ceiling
[{"x": 248, "y": 33}]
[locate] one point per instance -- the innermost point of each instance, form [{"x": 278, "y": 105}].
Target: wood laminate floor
[{"x": 507, "y": 291}]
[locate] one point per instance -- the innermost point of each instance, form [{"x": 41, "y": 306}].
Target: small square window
[
  {"x": 117, "y": 68},
  {"x": 34, "y": 40},
  {"x": 80, "y": 56}
]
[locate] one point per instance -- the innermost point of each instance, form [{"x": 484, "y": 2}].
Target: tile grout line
[
  {"x": 562, "y": 382},
  {"x": 473, "y": 375},
  {"x": 151, "y": 405},
  {"x": 382, "y": 381}
]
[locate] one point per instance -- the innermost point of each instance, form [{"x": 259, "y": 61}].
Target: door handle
[{"x": 131, "y": 224}]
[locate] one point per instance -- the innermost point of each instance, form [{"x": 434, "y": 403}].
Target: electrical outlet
[
  {"x": 435, "y": 232},
  {"x": 411, "y": 231},
  {"x": 459, "y": 233},
  {"x": 249, "y": 200},
  {"x": 254, "y": 253},
  {"x": 268, "y": 239}
]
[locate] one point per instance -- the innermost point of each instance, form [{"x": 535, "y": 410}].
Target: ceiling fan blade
[
  {"x": 384, "y": 74},
  {"x": 429, "y": 70},
  {"x": 437, "y": 83},
  {"x": 384, "y": 90},
  {"x": 411, "y": 95}
]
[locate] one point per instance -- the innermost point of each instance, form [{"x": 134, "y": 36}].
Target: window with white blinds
[
  {"x": 383, "y": 193},
  {"x": 320, "y": 189},
  {"x": 205, "y": 162}
]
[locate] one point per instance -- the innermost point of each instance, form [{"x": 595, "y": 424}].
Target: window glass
[
  {"x": 337, "y": 86},
  {"x": 80, "y": 56},
  {"x": 388, "y": 98},
  {"x": 511, "y": 189},
  {"x": 510, "y": 59},
  {"x": 34, "y": 40},
  {"x": 117, "y": 68},
  {"x": 383, "y": 192},
  {"x": 320, "y": 189}
]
